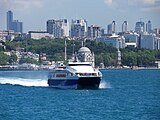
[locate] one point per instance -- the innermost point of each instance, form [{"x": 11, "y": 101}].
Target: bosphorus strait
[{"x": 123, "y": 95}]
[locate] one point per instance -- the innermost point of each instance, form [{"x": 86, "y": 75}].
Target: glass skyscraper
[
  {"x": 149, "y": 27},
  {"x": 9, "y": 20},
  {"x": 14, "y": 25},
  {"x": 140, "y": 27}
]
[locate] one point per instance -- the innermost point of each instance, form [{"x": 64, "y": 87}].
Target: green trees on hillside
[
  {"x": 139, "y": 57},
  {"x": 54, "y": 50}
]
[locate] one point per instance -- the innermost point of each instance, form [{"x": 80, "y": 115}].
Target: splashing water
[
  {"x": 104, "y": 85},
  {"x": 24, "y": 82},
  {"x": 38, "y": 82}
]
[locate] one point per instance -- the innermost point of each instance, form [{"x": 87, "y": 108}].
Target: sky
[{"x": 35, "y": 13}]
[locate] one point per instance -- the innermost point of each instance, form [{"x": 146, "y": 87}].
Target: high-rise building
[
  {"x": 9, "y": 20},
  {"x": 149, "y": 27},
  {"x": 148, "y": 41},
  {"x": 17, "y": 26},
  {"x": 94, "y": 31},
  {"x": 58, "y": 28},
  {"x": 14, "y": 25},
  {"x": 112, "y": 28},
  {"x": 125, "y": 27},
  {"x": 157, "y": 31},
  {"x": 140, "y": 27},
  {"x": 79, "y": 28},
  {"x": 109, "y": 29}
]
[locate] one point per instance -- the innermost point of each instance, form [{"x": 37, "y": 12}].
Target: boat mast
[
  {"x": 65, "y": 55},
  {"x": 82, "y": 43}
]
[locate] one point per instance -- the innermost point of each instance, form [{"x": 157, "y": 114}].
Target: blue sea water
[{"x": 123, "y": 95}]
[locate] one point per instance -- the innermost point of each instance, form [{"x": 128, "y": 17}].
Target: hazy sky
[{"x": 35, "y": 13}]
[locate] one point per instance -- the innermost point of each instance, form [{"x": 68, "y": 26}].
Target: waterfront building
[
  {"x": 12, "y": 24},
  {"x": 125, "y": 27},
  {"x": 158, "y": 64},
  {"x": 38, "y": 35},
  {"x": 79, "y": 28},
  {"x": 114, "y": 41},
  {"x": 58, "y": 28},
  {"x": 140, "y": 27},
  {"x": 149, "y": 27}
]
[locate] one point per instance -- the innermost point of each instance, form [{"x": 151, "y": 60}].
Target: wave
[
  {"x": 104, "y": 85},
  {"x": 39, "y": 82},
  {"x": 24, "y": 82}
]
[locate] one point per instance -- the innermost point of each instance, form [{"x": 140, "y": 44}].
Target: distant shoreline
[
  {"x": 144, "y": 68},
  {"x": 147, "y": 68}
]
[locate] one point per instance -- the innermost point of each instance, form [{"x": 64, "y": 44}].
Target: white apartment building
[
  {"x": 114, "y": 41},
  {"x": 79, "y": 28},
  {"x": 125, "y": 27},
  {"x": 38, "y": 35},
  {"x": 58, "y": 28},
  {"x": 7, "y": 35},
  {"x": 94, "y": 31}
]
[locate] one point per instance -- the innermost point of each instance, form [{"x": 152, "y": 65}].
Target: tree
[
  {"x": 12, "y": 59},
  {"x": 3, "y": 58},
  {"x": 129, "y": 58},
  {"x": 27, "y": 60}
]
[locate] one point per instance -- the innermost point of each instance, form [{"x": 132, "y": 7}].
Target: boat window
[
  {"x": 79, "y": 64},
  {"x": 60, "y": 75},
  {"x": 86, "y": 74}
]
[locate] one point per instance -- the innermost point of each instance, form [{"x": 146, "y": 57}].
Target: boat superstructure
[{"x": 78, "y": 74}]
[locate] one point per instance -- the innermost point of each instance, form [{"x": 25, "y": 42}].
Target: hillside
[{"x": 54, "y": 50}]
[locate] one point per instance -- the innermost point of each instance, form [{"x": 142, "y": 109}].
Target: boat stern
[{"x": 88, "y": 82}]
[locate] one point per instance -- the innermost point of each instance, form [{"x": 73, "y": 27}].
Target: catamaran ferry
[{"x": 78, "y": 74}]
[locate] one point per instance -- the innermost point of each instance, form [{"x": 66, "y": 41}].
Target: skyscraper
[
  {"x": 112, "y": 28},
  {"x": 140, "y": 27},
  {"x": 14, "y": 25},
  {"x": 9, "y": 20},
  {"x": 109, "y": 29},
  {"x": 149, "y": 27},
  {"x": 125, "y": 27}
]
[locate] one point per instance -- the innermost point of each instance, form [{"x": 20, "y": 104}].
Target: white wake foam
[
  {"x": 24, "y": 82},
  {"x": 38, "y": 82},
  {"x": 104, "y": 85}
]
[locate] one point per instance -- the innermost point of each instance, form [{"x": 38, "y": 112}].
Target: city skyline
[{"x": 35, "y": 13}]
